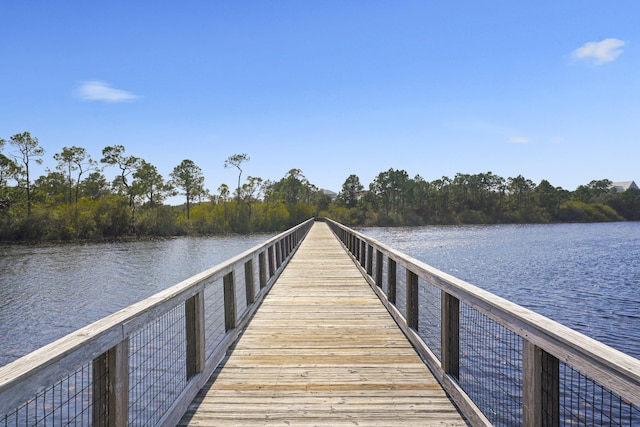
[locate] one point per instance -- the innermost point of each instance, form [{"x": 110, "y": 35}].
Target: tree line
[{"x": 74, "y": 201}]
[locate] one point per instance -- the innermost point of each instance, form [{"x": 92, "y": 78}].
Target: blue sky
[{"x": 545, "y": 89}]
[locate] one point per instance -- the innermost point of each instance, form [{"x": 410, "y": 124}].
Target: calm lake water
[
  {"x": 586, "y": 276},
  {"x": 48, "y": 292}
]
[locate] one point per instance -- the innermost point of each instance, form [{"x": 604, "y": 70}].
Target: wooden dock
[
  {"x": 322, "y": 350},
  {"x": 321, "y": 341}
]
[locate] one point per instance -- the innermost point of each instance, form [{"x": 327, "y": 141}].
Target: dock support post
[
  {"x": 248, "y": 282},
  {"x": 111, "y": 386},
  {"x": 262, "y": 266},
  {"x": 272, "y": 269},
  {"x": 194, "y": 321},
  {"x": 369, "y": 260},
  {"x": 379, "y": 261},
  {"x": 412, "y": 300},
  {"x": 450, "y": 338},
  {"x": 391, "y": 281},
  {"x": 278, "y": 246},
  {"x": 540, "y": 387},
  {"x": 229, "y": 302},
  {"x": 356, "y": 248}
]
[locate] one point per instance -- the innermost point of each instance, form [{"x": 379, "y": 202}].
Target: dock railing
[
  {"x": 143, "y": 365},
  {"x": 501, "y": 363}
]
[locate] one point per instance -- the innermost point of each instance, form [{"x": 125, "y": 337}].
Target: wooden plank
[{"x": 322, "y": 350}]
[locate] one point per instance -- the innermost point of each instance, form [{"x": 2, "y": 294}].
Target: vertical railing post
[
  {"x": 250, "y": 290},
  {"x": 379, "y": 261},
  {"x": 272, "y": 269},
  {"x": 356, "y": 248},
  {"x": 450, "y": 334},
  {"x": 391, "y": 281},
  {"x": 111, "y": 386},
  {"x": 229, "y": 301},
  {"x": 194, "y": 323},
  {"x": 285, "y": 247},
  {"x": 363, "y": 253},
  {"x": 262, "y": 266},
  {"x": 278, "y": 249},
  {"x": 550, "y": 390},
  {"x": 412, "y": 300},
  {"x": 282, "y": 250},
  {"x": 369, "y": 260},
  {"x": 540, "y": 387}
]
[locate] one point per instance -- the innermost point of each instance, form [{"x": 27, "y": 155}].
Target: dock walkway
[{"x": 322, "y": 350}]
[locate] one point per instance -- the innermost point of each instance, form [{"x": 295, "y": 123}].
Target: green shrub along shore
[{"x": 74, "y": 201}]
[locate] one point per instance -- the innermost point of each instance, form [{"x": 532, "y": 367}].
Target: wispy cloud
[
  {"x": 95, "y": 90},
  {"x": 519, "y": 140},
  {"x": 599, "y": 53}
]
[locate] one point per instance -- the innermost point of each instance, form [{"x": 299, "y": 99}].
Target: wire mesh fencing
[
  {"x": 484, "y": 341},
  {"x": 157, "y": 367},
  {"x": 491, "y": 367},
  {"x": 133, "y": 367},
  {"x": 430, "y": 316},
  {"x": 584, "y": 402},
  {"x": 67, "y": 402},
  {"x": 214, "y": 316}
]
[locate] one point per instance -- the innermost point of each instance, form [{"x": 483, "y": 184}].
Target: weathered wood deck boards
[{"x": 322, "y": 350}]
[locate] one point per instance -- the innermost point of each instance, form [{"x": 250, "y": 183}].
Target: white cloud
[
  {"x": 519, "y": 140},
  {"x": 599, "y": 53},
  {"x": 558, "y": 139},
  {"x": 95, "y": 90}
]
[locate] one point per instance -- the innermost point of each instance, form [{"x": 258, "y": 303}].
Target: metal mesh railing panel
[
  {"x": 385, "y": 276},
  {"x": 67, "y": 402},
  {"x": 214, "y": 316},
  {"x": 157, "y": 367},
  {"x": 583, "y": 402},
  {"x": 429, "y": 316},
  {"x": 401, "y": 290},
  {"x": 491, "y": 367},
  {"x": 240, "y": 288}
]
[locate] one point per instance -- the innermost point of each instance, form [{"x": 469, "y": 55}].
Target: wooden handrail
[
  {"x": 545, "y": 341},
  {"x": 104, "y": 343}
]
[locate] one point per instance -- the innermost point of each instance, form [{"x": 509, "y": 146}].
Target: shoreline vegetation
[{"x": 75, "y": 202}]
